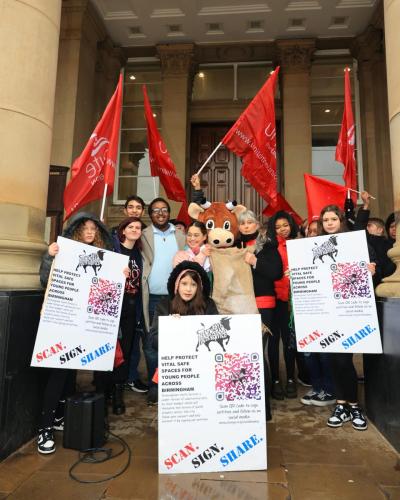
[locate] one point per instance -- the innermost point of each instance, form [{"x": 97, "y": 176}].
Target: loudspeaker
[{"x": 84, "y": 421}]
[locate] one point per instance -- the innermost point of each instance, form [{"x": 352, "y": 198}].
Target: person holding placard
[
  {"x": 85, "y": 228},
  {"x": 332, "y": 221},
  {"x": 127, "y": 242},
  {"x": 188, "y": 294},
  {"x": 282, "y": 227},
  {"x": 266, "y": 267}
]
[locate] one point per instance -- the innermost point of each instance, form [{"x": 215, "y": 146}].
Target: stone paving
[{"x": 306, "y": 461}]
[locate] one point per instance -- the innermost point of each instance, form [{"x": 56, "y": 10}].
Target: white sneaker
[
  {"x": 45, "y": 441},
  {"x": 306, "y": 399},
  {"x": 340, "y": 415}
]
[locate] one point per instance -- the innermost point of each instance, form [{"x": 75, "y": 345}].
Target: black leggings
[
  {"x": 104, "y": 381},
  {"x": 344, "y": 376},
  {"x": 60, "y": 385},
  {"x": 280, "y": 329}
]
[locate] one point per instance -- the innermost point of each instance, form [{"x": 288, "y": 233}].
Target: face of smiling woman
[
  {"x": 282, "y": 228},
  {"x": 195, "y": 238}
]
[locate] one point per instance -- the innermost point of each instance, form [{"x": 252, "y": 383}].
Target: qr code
[
  {"x": 350, "y": 280},
  {"x": 237, "y": 376},
  {"x": 104, "y": 297}
]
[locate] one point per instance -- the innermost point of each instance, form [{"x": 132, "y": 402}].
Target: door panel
[{"x": 221, "y": 179}]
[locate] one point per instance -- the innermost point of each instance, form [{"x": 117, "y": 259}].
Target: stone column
[
  {"x": 295, "y": 60},
  {"x": 29, "y": 36},
  {"x": 369, "y": 52},
  {"x": 176, "y": 66},
  {"x": 391, "y": 285}
]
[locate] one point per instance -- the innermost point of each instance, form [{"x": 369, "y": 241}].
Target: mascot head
[{"x": 220, "y": 219}]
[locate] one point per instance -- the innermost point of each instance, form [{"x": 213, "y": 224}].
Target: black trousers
[
  {"x": 105, "y": 381},
  {"x": 266, "y": 318},
  {"x": 60, "y": 385},
  {"x": 344, "y": 376},
  {"x": 280, "y": 330}
]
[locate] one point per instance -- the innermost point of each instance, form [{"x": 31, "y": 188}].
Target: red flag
[
  {"x": 95, "y": 167},
  {"x": 345, "y": 149},
  {"x": 253, "y": 138},
  {"x": 282, "y": 204},
  {"x": 320, "y": 193},
  {"x": 161, "y": 164}
]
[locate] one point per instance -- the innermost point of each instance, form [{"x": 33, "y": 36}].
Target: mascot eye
[
  {"x": 210, "y": 224},
  {"x": 227, "y": 225}
]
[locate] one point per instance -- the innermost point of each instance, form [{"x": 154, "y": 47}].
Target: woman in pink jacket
[{"x": 196, "y": 249}]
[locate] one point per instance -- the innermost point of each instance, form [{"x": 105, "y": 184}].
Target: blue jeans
[
  {"x": 150, "y": 353},
  {"x": 319, "y": 368}
]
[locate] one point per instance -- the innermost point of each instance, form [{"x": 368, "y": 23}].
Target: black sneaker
[
  {"x": 291, "y": 389},
  {"x": 340, "y": 415},
  {"x": 152, "y": 395},
  {"x": 323, "y": 399},
  {"x": 137, "y": 386},
  {"x": 306, "y": 399},
  {"x": 58, "y": 424},
  {"x": 358, "y": 421},
  {"x": 45, "y": 441},
  {"x": 277, "y": 391}
]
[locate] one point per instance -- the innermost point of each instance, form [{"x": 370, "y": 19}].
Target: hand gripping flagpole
[{"x": 209, "y": 158}]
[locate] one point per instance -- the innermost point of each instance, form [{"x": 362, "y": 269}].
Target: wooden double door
[{"x": 221, "y": 178}]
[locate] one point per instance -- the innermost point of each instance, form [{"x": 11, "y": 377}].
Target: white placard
[
  {"x": 80, "y": 316},
  {"x": 211, "y": 413},
  {"x": 333, "y": 294}
]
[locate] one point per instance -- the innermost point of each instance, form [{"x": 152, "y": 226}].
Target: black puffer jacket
[
  {"x": 163, "y": 308},
  {"x": 75, "y": 220}
]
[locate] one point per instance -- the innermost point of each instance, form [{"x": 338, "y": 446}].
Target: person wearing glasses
[{"x": 160, "y": 241}]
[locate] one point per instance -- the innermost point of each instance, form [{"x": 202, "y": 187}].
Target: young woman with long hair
[
  {"x": 85, "y": 228},
  {"x": 332, "y": 221},
  {"x": 188, "y": 294}
]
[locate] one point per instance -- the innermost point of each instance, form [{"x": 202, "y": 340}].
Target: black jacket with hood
[
  {"x": 163, "y": 308},
  {"x": 75, "y": 220}
]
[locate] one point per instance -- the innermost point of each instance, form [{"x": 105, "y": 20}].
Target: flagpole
[
  {"x": 103, "y": 204},
  {"x": 359, "y": 192},
  {"x": 209, "y": 158},
  {"x": 154, "y": 187}
]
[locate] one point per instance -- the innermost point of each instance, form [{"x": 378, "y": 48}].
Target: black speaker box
[{"x": 85, "y": 425}]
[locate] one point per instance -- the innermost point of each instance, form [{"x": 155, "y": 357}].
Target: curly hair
[
  {"x": 281, "y": 214},
  {"x": 77, "y": 235}
]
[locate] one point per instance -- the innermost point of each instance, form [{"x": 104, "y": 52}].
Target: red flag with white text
[
  {"x": 345, "y": 149},
  {"x": 320, "y": 192},
  {"x": 282, "y": 204},
  {"x": 161, "y": 164},
  {"x": 95, "y": 167},
  {"x": 253, "y": 138}
]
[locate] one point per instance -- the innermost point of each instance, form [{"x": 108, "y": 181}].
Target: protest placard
[
  {"x": 80, "y": 316},
  {"x": 333, "y": 294},
  {"x": 211, "y": 394}
]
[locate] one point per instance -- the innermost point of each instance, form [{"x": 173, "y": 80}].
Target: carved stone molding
[
  {"x": 369, "y": 45},
  {"x": 176, "y": 59},
  {"x": 295, "y": 55},
  {"x": 109, "y": 59}
]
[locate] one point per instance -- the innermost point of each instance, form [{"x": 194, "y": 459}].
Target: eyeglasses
[{"x": 158, "y": 211}]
